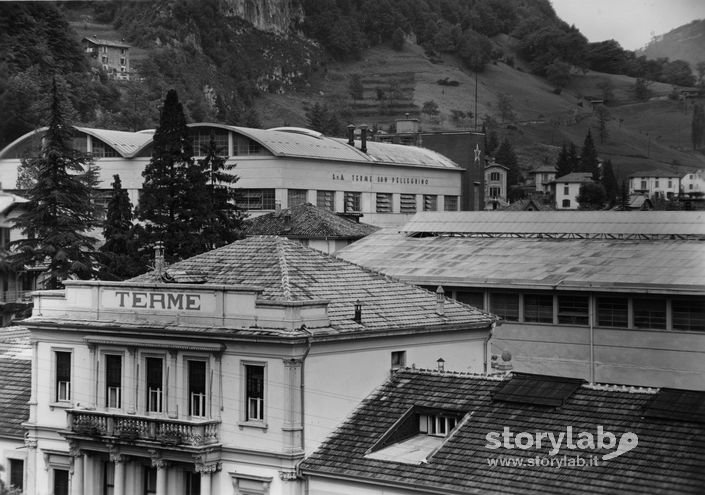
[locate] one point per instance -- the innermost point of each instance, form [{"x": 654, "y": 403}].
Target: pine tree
[
  {"x": 609, "y": 181},
  {"x": 697, "y": 134},
  {"x": 492, "y": 143},
  {"x": 573, "y": 157},
  {"x": 171, "y": 205},
  {"x": 563, "y": 165},
  {"x": 588, "y": 158},
  {"x": 506, "y": 156},
  {"x": 60, "y": 211},
  {"x": 119, "y": 255},
  {"x": 223, "y": 222}
]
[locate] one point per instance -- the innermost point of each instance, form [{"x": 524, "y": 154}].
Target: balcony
[{"x": 132, "y": 428}]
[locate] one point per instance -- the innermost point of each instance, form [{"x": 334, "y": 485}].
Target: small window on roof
[{"x": 540, "y": 390}]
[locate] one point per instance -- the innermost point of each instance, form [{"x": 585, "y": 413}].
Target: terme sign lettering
[{"x": 182, "y": 301}]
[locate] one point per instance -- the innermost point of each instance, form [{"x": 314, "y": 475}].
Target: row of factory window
[
  {"x": 264, "y": 199},
  {"x": 152, "y": 391},
  {"x": 608, "y": 310}
]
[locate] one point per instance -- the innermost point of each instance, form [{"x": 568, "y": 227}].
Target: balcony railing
[
  {"x": 168, "y": 432},
  {"x": 15, "y": 296}
]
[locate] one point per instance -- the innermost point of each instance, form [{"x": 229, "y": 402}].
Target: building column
[
  {"x": 119, "y": 486},
  {"x": 206, "y": 471},
  {"x": 77, "y": 482},
  {"x": 130, "y": 380},
  {"x": 162, "y": 475},
  {"x": 30, "y": 443},
  {"x": 171, "y": 385}
]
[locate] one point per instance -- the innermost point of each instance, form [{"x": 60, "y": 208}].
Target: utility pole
[{"x": 475, "y": 100}]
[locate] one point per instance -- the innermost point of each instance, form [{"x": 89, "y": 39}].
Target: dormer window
[{"x": 437, "y": 424}]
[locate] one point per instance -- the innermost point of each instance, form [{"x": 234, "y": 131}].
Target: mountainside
[
  {"x": 278, "y": 62},
  {"x": 685, "y": 43}
]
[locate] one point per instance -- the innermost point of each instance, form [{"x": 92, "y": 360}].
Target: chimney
[
  {"x": 441, "y": 364},
  {"x": 358, "y": 312},
  {"x": 363, "y": 138},
  {"x": 159, "y": 266},
  {"x": 440, "y": 300},
  {"x": 351, "y": 135},
  {"x": 505, "y": 365}
]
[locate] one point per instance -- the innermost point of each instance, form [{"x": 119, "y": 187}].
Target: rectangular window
[
  {"x": 17, "y": 474},
  {"x": 326, "y": 199},
  {"x": 566, "y": 189},
  {"x": 61, "y": 482},
  {"x": 201, "y": 142},
  {"x": 688, "y": 314},
  {"x": 656, "y": 184},
  {"x": 398, "y": 360},
  {"x": 63, "y": 376},
  {"x": 255, "y": 199},
  {"x": 436, "y": 425},
  {"x": 474, "y": 299},
  {"x": 108, "y": 478},
  {"x": 538, "y": 308},
  {"x": 384, "y": 203},
  {"x": 197, "y": 388},
  {"x": 643, "y": 184},
  {"x": 113, "y": 381},
  {"x": 407, "y": 203},
  {"x": 566, "y": 203},
  {"x": 155, "y": 383},
  {"x": 150, "y": 480},
  {"x": 450, "y": 203},
  {"x": 505, "y": 305},
  {"x": 670, "y": 183},
  {"x": 612, "y": 312},
  {"x": 296, "y": 197},
  {"x": 495, "y": 192},
  {"x": 573, "y": 309},
  {"x": 254, "y": 392},
  {"x": 494, "y": 175},
  {"x": 352, "y": 202},
  {"x": 430, "y": 202},
  {"x": 649, "y": 313},
  {"x": 253, "y": 147},
  {"x": 193, "y": 483}
]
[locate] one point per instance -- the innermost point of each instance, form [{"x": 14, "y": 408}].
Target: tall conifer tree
[
  {"x": 563, "y": 165},
  {"x": 60, "y": 212},
  {"x": 588, "y": 158}
]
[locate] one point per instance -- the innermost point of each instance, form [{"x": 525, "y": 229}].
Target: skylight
[{"x": 540, "y": 390}]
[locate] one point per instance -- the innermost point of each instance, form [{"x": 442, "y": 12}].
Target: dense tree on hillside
[
  {"x": 60, "y": 212},
  {"x": 119, "y": 254},
  {"x": 475, "y": 50},
  {"x": 355, "y": 87},
  {"x": 588, "y": 158},
  {"x": 609, "y": 182},
  {"x": 678, "y": 72},
  {"x": 592, "y": 196},
  {"x": 398, "y": 39},
  {"x": 697, "y": 129},
  {"x": 321, "y": 118},
  {"x": 505, "y": 107},
  {"x": 223, "y": 221},
  {"x": 641, "y": 89},
  {"x": 172, "y": 204},
  {"x": 563, "y": 163},
  {"x": 558, "y": 74},
  {"x": 506, "y": 156}
]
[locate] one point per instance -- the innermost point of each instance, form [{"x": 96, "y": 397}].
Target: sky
[{"x": 631, "y": 22}]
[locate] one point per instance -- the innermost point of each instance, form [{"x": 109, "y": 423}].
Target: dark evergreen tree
[
  {"x": 563, "y": 164},
  {"x": 223, "y": 222},
  {"x": 398, "y": 39},
  {"x": 609, "y": 181},
  {"x": 171, "y": 205},
  {"x": 624, "y": 197},
  {"x": 316, "y": 117},
  {"x": 697, "y": 134},
  {"x": 506, "y": 156},
  {"x": 492, "y": 143},
  {"x": 592, "y": 196},
  {"x": 573, "y": 157},
  {"x": 60, "y": 211},
  {"x": 119, "y": 253},
  {"x": 588, "y": 158}
]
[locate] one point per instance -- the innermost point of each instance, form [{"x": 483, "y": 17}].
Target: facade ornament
[
  {"x": 209, "y": 468},
  {"x": 30, "y": 442},
  {"x": 287, "y": 475}
]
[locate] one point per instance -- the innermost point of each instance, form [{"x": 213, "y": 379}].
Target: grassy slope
[{"x": 650, "y": 136}]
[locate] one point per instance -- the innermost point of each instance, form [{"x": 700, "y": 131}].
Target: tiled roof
[
  {"x": 97, "y": 41},
  {"x": 15, "y": 388},
  {"x": 669, "y": 456},
  {"x": 307, "y": 221},
  {"x": 14, "y": 343},
  {"x": 544, "y": 169},
  {"x": 575, "y": 177},
  {"x": 654, "y": 173},
  {"x": 528, "y": 205},
  {"x": 563, "y": 264},
  {"x": 289, "y": 271}
]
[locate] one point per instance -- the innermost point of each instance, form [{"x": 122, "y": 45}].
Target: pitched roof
[
  {"x": 528, "y": 204},
  {"x": 98, "y": 41},
  {"x": 581, "y": 177},
  {"x": 288, "y": 271},
  {"x": 544, "y": 169},
  {"x": 533, "y": 262},
  {"x": 15, "y": 388},
  {"x": 655, "y": 173},
  {"x": 669, "y": 456},
  {"x": 307, "y": 221},
  {"x": 14, "y": 343}
]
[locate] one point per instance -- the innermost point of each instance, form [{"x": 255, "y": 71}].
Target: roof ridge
[
  {"x": 498, "y": 377},
  {"x": 613, "y": 387},
  {"x": 284, "y": 267}
]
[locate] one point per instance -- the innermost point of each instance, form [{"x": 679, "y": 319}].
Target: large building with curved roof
[{"x": 287, "y": 166}]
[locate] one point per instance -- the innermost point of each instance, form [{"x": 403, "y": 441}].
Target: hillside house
[
  {"x": 655, "y": 184},
  {"x": 495, "y": 185},
  {"x": 113, "y": 56},
  {"x": 219, "y": 374},
  {"x": 543, "y": 176},
  {"x": 693, "y": 183},
  {"x": 565, "y": 189}
]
